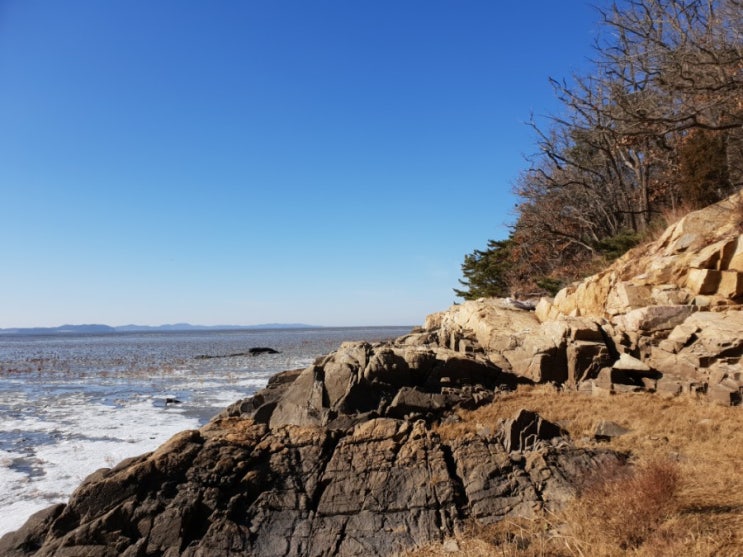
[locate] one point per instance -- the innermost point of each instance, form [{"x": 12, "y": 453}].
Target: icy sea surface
[{"x": 70, "y": 404}]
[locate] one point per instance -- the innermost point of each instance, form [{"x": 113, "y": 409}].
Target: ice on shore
[{"x": 46, "y": 467}]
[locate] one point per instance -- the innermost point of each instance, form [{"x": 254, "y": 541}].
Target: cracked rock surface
[{"x": 339, "y": 459}]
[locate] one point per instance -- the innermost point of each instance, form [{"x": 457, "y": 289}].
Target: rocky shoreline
[{"x": 343, "y": 458}]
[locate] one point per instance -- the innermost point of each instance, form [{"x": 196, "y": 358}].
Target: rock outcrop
[
  {"x": 344, "y": 458},
  {"x": 665, "y": 317},
  {"x": 238, "y": 487},
  {"x": 698, "y": 261},
  {"x": 338, "y": 459}
]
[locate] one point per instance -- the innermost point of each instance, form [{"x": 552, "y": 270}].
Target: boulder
[
  {"x": 699, "y": 229},
  {"x": 585, "y": 359},
  {"x": 516, "y": 342},
  {"x": 669, "y": 386},
  {"x": 304, "y": 402},
  {"x": 575, "y": 329},
  {"x": 31, "y": 535},
  {"x": 607, "y": 430},
  {"x": 457, "y": 370},
  {"x": 735, "y": 261},
  {"x": 261, "y": 405},
  {"x": 538, "y": 359},
  {"x": 716, "y": 335},
  {"x": 725, "y": 394},
  {"x": 587, "y": 298},
  {"x": 610, "y": 380},
  {"x": 526, "y": 429},
  {"x": 731, "y": 284},
  {"x": 681, "y": 365},
  {"x": 669, "y": 295},
  {"x": 409, "y": 400},
  {"x": 492, "y": 322},
  {"x": 359, "y": 378},
  {"x": 626, "y": 296},
  {"x": 545, "y": 311},
  {"x": 713, "y": 256},
  {"x": 630, "y": 363},
  {"x": 703, "y": 281}
]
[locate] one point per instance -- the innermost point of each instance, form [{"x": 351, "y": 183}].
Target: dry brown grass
[
  {"x": 671, "y": 215},
  {"x": 684, "y": 498},
  {"x": 623, "y": 507}
]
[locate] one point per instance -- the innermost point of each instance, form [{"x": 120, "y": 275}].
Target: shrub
[
  {"x": 616, "y": 246},
  {"x": 622, "y": 507},
  {"x": 550, "y": 285}
]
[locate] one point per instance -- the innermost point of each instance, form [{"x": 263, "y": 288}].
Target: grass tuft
[{"x": 622, "y": 507}]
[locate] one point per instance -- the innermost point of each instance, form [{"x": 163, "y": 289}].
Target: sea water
[{"x": 71, "y": 404}]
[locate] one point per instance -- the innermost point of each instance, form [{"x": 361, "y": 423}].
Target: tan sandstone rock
[
  {"x": 703, "y": 281},
  {"x": 626, "y": 296},
  {"x": 731, "y": 284},
  {"x": 654, "y": 318},
  {"x": 689, "y": 255},
  {"x": 736, "y": 257}
]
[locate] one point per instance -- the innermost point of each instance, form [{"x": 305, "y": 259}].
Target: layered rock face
[
  {"x": 665, "y": 317},
  {"x": 343, "y": 458},
  {"x": 337, "y": 459},
  {"x": 698, "y": 261}
]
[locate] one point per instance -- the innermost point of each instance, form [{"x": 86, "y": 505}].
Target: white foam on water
[
  {"x": 102, "y": 401},
  {"x": 28, "y": 424},
  {"x": 18, "y": 498},
  {"x": 11, "y": 481},
  {"x": 222, "y": 399},
  {"x": 91, "y": 436},
  {"x": 72, "y": 436},
  {"x": 15, "y": 514}
]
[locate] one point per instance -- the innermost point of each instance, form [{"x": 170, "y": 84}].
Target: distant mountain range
[{"x": 106, "y": 329}]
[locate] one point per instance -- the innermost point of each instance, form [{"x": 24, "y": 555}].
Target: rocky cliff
[{"x": 344, "y": 458}]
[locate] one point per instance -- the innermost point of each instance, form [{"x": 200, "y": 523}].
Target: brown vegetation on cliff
[{"x": 654, "y": 127}]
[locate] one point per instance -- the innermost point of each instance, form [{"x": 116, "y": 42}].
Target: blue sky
[{"x": 238, "y": 162}]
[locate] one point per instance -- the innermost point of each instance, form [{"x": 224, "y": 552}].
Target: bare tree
[
  {"x": 676, "y": 66},
  {"x": 657, "y": 123}
]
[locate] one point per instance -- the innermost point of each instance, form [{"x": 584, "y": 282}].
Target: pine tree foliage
[{"x": 486, "y": 272}]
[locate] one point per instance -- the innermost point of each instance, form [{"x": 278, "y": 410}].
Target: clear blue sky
[{"x": 238, "y": 162}]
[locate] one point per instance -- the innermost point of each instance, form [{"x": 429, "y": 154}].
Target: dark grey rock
[
  {"x": 321, "y": 463},
  {"x": 527, "y": 429},
  {"x": 410, "y": 400},
  {"x": 236, "y": 487}
]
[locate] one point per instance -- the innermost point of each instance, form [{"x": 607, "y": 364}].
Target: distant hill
[
  {"x": 62, "y": 329},
  {"x": 95, "y": 329},
  {"x": 190, "y": 327}
]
